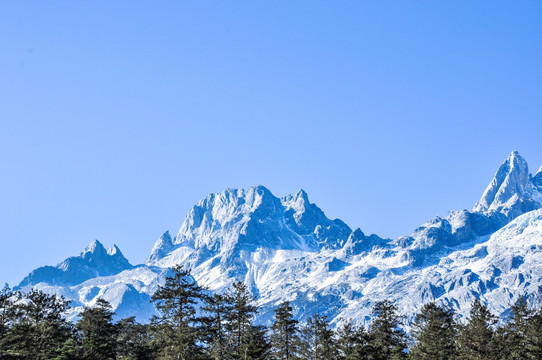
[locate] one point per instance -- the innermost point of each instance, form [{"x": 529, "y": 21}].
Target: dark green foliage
[
  {"x": 346, "y": 340},
  {"x": 534, "y": 336},
  {"x": 97, "y": 331},
  {"x": 352, "y": 342},
  {"x": 258, "y": 346},
  {"x": 133, "y": 341},
  {"x": 38, "y": 329},
  {"x": 476, "y": 339},
  {"x": 435, "y": 334},
  {"x": 7, "y": 316},
  {"x": 500, "y": 349},
  {"x": 512, "y": 337},
  {"x": 194, "y": 326},
  {"x": 214, "y": 330},
  {"x": 522, "y": 333},
  {"x": 239, "y": 320},
  {"x": 388, "y": 340},
  {"x": 317, "y": 339},
  {"x": 284, "y": 338},
  {"x": 177, "y": 301},
  {"x": 161, "y": 335},
  {"x": 69, "y": 350}
]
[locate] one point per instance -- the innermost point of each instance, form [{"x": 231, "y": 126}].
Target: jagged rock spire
[
  {"x": 163, "y": 245},
  {"x": 512, "y": 191}
]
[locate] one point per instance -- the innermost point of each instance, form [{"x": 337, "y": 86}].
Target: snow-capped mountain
[
  {"x": 287, "y": 249},
  {"x": 223, "y": 229},
  {"x": 513, "y": 190},
  {"x": 93, "y": 262}
]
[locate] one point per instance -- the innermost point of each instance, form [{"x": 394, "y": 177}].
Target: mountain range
[{"x": 287, "y": 249}]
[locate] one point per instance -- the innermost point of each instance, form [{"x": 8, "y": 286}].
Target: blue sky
[{"x": 117, "y": 117}]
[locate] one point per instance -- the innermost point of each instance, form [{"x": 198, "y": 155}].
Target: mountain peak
[
  {"x": 248, "y": 219},
  {"x": 94, "y": 261},
  {"x": 287, "y": 249},
  {"x": 515, "y": 158},
  {"x": 515, "y": 154},
  {"x": 259, "y": 195},
  {"x": 114, "y": 250},
  {"x": 537, "y": 178},
  {"x": 302, "y": 194},
  {"x": 260, "y": 188},
  {"x": 162, "y": 246},
  {"x": 511, "y": 190},
  {"x": 95, "y": 254},
  {"x": 95, "y": 247},
  {"x": 299, "y": 202}
]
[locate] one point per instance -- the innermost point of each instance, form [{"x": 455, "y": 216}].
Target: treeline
[{"x": 197, "y": 326}]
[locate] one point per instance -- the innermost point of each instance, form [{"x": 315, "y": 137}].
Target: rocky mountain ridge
[{"x": 287, "y": 249}]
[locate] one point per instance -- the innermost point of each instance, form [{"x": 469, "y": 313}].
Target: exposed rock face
[
  {"x": 287, "y": 249},
  {"x": 93, "y": 262},
  {"x": 537, "y": 180},
  {"x": 513, "y": 191},
  {"x": 255, "y": 217},
  {"x": 161, "y": 248},
  {"x": 223, "y": 227}
]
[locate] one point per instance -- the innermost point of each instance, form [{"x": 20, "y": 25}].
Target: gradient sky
[{"x": 116, "y": 117}]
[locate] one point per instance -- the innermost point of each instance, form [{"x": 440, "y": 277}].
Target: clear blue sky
[{"x": 117, "y": 116}]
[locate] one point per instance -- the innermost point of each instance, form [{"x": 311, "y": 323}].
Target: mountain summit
[
  {"x": 288, "y": 249},
  {"x": 513, "y": 191},
  {"x": 255, "y": 217},
  {"x": 224, "y": 228},
  {"x": 93, "y": 262}
]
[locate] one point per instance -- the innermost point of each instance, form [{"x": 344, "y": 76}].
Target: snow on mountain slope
[
  {"x": 129, "y": 291},
  {"x": 537, "y": 181},
  {"x": 495, "y": 269},
  {"x": 237, "y": 231},
  {"x": 512, "y": 191},
  {"x": 287, "y": 249},
  {"x": 94, "y": 261},
  {"x": 249, "y": 218}
]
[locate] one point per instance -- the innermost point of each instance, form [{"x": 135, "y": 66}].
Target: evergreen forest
[{"x": 197, "y": 325}]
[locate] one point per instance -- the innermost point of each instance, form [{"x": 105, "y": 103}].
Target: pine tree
[
  {"x": 239, "y": 320},
  {"x": 500, "y": 344},
  {"x": 388, "y": 340},
  {"x": 258, "y": 346},
  {"x": 284, "y": 338},
  {"x": 177, "y": 302},
  {"x": 317, "y": 341},
  {"x": 162, "y": 335},
  {"x": 217, "y": 307},
  {"x": 133, "y": 341},
  {"x": 98, "y": 333},
  {"x": 513, "y": 336},
  {"x": 39, "y": 329},
  {"x": 70, "y": 350},
  {"x": 435, "y": 332},
  {"x": 6, "y": 316},
  {"x": 362, "y": 348},
  {"x": 476, "y": 338},
  {"x": 346, "y": 340},
  {"x": 352, "y": 342},
  {"x": 534, "y": 336}
]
